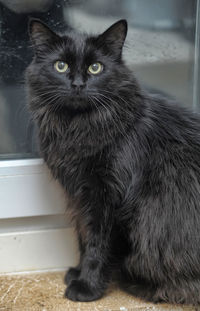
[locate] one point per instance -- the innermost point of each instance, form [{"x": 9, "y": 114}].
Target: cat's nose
[{"x": 78, "y": 84}]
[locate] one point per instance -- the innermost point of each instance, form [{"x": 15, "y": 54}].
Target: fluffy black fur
[{"x": 130, "y": 163}]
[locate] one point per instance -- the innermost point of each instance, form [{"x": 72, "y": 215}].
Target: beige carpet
[{"x": 44, "y": 292}]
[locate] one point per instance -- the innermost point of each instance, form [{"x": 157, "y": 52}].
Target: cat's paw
[
  {"x": 79, "y": 290},
  {"x": 72, "y": 274}
]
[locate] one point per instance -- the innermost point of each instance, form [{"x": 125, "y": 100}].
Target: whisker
[
  {"x": 127, "y": 112},
  {"x": 121, "y": 130}
]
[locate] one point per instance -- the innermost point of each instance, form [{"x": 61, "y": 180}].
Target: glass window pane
[{"x": 159, "y": 49}]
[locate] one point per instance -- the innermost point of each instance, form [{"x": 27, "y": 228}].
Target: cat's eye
[
  {"x": 61, "y": 66},
  {"x": 95, "y": 68}
]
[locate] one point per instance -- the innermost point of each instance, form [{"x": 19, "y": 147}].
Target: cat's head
[{"x": 76, "y": 71}]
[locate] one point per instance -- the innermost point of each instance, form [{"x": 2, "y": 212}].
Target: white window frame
[{"x": 28, "y": 189}]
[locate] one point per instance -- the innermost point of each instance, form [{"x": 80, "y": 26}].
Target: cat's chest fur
[{"x": 74, "y": 152}]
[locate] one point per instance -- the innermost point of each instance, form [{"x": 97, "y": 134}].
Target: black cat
[{"x": 130, "y": 163}]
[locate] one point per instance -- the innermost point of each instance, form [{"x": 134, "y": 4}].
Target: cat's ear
[
  {"x": 115, "y": 36},
  {"x": 41, "y": 35}
]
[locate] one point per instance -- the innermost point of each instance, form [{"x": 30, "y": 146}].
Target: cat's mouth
[
  {"x": 77, "y": 97},
  {"x": 77, "y": 102}
]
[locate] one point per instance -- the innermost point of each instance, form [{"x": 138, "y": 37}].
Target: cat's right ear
[
  {"x": 40, "y": 34},
  {"x": 114, "y": 37}
]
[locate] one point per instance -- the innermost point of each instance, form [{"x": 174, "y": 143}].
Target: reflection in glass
[{"x": 159, "y": 49}]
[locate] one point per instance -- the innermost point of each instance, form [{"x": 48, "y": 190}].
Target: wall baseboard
[{"x": 49, "y": 249}]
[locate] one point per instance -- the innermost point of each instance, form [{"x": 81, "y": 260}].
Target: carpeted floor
[{"x": 44, "y": 292}]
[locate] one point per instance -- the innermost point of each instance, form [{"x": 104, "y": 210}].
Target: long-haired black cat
[{"x": 130, "y": 163}]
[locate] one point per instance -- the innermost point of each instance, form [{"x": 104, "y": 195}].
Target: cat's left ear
[
  {"x": 41, "y": 35},
  {"x": 115, "y": 36}
]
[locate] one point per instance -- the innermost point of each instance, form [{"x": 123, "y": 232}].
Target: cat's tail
[
  {"x": 138, "y": 290},
  {"x": 161, "y": 294}
]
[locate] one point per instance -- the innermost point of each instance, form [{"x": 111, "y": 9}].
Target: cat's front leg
[
  {"x": 74, "y": 272},
  {"x": 95, "y": 269}
]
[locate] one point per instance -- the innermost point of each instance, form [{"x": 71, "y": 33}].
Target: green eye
[
  {"x": 61, "y": 66},
  {"x": 95, "y": 68}
]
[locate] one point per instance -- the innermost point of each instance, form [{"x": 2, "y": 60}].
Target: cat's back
[
  {"x": 164, "y": 200},
  {"x": 173, "y": 125},
  {"x": 173, "y": 162}
]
